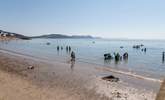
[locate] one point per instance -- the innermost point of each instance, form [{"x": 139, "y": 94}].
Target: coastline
[{"x": 82, "y": 80}]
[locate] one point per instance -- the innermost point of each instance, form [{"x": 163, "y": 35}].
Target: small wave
[{"x": 131, "y": 74}]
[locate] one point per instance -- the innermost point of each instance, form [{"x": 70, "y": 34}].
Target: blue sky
[{"x": 133, "y": 19}]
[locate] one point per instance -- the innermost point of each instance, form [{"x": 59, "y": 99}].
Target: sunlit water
[{"x": 92, "y": 51}]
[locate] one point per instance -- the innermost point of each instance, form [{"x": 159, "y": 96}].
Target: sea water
[{"x": 92, "y": 51}]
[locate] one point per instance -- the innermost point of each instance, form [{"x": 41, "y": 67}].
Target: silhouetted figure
[
  {"x": 145, "y": 49},
  {"x": 125, "y": 56},
  {"x": 142, "y": 49},
  {"x": 117, "y": 57},
  {"x": 121, "y": 47},
  {"x": 142, "y": 45},
  {"x": 73, "y": 56},
  {"x": 136, "y": 46},
  {"x": 107, "y": 56},
  {"x": 61, "y": 48},
  {"x": 48, "y": 43},
  {"x": 69, "y": 49},
  {"x": 163, "y": 57},
  {"x": 58, "y": 48}
]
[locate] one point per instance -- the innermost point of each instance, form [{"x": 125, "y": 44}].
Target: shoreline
[
  {"x": 82, "y": 73},
  {"x": 123, "y": 72},
  {"x": 41, "y": 83}
]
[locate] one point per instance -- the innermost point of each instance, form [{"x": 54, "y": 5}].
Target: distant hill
[
  {"x": 54, "y": 36},
  {"x": 12, "y": 35}
]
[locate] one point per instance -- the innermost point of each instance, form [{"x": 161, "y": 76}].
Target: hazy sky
[{"x": 105, "y": 18}]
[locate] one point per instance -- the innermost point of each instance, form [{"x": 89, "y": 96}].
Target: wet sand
[
  {"x": 20, "y": 83},
  {"x": 161, "y": 94},
  {"x": 65, "y": 81}
]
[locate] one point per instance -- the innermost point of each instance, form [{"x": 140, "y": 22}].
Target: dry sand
[
  {"x": 161, "y": 95},
  {"x": 57, "y": 81},
  {"x": 19, "y": 83},
  {"x": 122, "y": 91}
]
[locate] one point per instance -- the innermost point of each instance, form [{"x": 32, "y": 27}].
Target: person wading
[{"x": 73, "y": 56}]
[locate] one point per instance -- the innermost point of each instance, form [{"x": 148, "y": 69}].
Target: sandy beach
[{"x": 64, "y": 81}]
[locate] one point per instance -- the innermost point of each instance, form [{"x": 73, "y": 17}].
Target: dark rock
[
  {"x": 111, "y": 78},
  {"x": 30, "y": 67}
]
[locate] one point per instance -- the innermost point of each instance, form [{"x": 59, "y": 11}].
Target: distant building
[{"x": 6, "y": 34}]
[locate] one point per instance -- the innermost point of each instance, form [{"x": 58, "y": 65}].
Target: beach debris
[
  {"x": 118, "y": 95},
  {"x": 125, "y": 55},
  {"x": 48, "y": 43},
  {"x": 30, "y": 67},
  {"x": 111, "y": 78},
  {"x": 107, "y": 56}
]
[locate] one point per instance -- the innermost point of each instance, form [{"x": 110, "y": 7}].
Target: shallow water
[{"x": 92, "y": 50}]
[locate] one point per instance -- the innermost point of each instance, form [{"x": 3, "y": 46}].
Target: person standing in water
[
  {"x": 58, "y": 48},
  {"x": 69, "y": 48},
  {"x": 73, "y": 56},
  {"x": 163, "y": 57}
]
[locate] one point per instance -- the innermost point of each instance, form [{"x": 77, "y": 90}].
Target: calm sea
[{"x": 147, "y": 63}]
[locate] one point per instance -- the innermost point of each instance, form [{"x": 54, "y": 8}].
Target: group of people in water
[
  {"x": 139, "y": 47},
  {"x": 145, "y": 50},
  {"x": 116, "y": 56},
  {"x": 107, "y": 56},
  {"x": 68, "y": 49}
]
